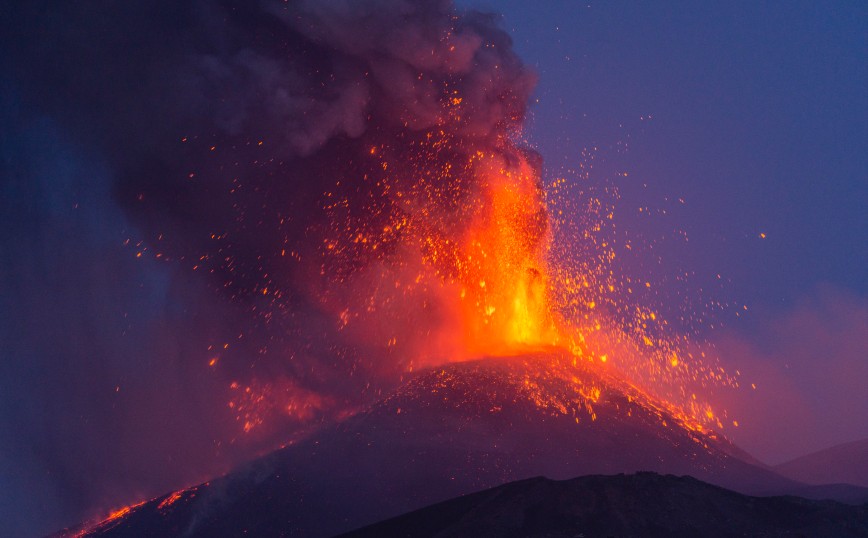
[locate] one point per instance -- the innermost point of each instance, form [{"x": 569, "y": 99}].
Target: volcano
[
  {"x": 641, "y": 505},
  {"x": 449, "y": 431}
]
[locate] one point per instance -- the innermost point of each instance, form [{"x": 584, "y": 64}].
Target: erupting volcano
[{"x": 414, "y": 310}]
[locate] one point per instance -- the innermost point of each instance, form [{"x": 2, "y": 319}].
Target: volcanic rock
[
  {"x": 450, "y": 431},
  {"x": 640, "y": 505}
]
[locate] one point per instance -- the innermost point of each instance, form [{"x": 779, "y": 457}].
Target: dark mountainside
[
  {"x": 845, "y": 463},
  {"x": 644, "y": 504},
  {"x": 449, "y": 431}
]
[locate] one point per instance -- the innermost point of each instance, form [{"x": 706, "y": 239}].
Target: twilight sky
[{"x": 755, "y": 115}]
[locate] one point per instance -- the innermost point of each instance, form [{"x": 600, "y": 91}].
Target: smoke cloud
[{"x": 226, "y": 221}]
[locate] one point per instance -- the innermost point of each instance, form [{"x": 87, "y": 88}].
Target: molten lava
[
  {"x": 460, "y": 232},
  {"x": 504, "y": 296}
]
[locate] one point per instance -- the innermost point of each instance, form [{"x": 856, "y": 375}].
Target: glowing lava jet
[{"x": 475, "y": 240}]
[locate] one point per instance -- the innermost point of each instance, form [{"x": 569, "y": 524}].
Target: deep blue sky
[{"x": 759, "y": 122}]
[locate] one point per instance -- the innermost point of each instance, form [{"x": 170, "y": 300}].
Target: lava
[
  {"x": 114, "y": 518},
  {"x": 470, "y": 230}
]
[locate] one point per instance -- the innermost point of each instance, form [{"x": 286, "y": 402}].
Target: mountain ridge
[
  {"x": 448, "y": 431},
  {"x": 845, "y": 463},
  {"x": 642, "y": 504}
]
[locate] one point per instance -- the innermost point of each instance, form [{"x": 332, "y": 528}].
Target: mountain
[
  {"x": 450, "y": 431},
  {"x": 841, "y": 464},
  {"x": 643, "y": 504}
]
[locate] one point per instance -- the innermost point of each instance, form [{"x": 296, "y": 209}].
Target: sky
[{"x": 739, "y": 128}]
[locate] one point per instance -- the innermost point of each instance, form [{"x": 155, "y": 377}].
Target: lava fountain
[{"x": 469, "y": 239}]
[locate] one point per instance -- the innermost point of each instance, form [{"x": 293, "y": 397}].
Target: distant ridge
[
  {"x": 846, "y": 463},
  {"x": 642, "y": 504}
]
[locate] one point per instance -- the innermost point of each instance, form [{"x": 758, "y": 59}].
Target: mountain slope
[
  {"x": 449, "y": 431},
  {"x": 644, "y": 504}
]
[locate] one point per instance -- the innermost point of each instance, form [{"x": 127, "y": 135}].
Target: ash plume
[{"x": 282, "y": 190}]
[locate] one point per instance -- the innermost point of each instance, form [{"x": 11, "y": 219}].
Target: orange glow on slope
[
  {"x": 116, "y": 517},
  {"x": 113, "y": 519},
  {"x": 170, "y": 500}
]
